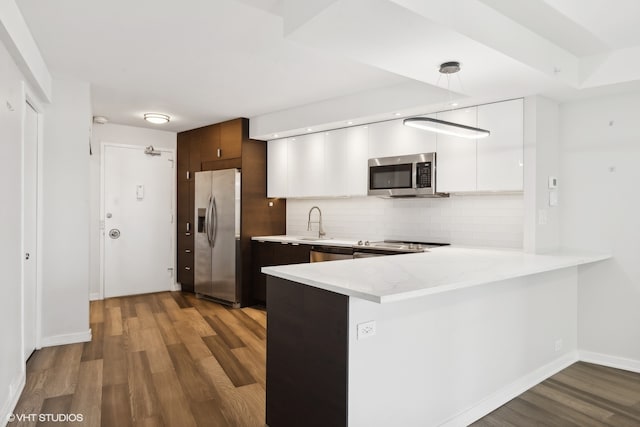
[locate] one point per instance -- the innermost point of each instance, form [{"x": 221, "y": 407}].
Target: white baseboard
[
  {"x": 505, "y": 394},
  {"x": 95, "y": 296},
  {"x": 176, "y": 287},
  {"x": 15, "y": 391},
  {"x": 66, "y": 339},
  {"x": 610, "y": 361}
]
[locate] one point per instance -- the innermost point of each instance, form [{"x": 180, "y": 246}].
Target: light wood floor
[
  {"x": 169, "y": 359},
  {"x": 165, "y": 359},
  {"x": 581, "y": 395}
]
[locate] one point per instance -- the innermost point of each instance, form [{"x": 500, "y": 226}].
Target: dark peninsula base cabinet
[{"x": 307, "y": 356}]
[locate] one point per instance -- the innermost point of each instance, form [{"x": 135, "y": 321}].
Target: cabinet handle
[
  {"x": 188, "y": 251},
  {"x": 187, "y": 234},
  {"x": 188, "y": 268},
  {"x": 188, "y": 226},
  {"x": 188, "y": 175},
  {"x": 219, "y": 152}
]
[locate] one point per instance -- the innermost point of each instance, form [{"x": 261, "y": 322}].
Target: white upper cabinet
[
  {"x": 500, "y": 155},
  {"x": 306, "y": 165},
  {"x": 277, "y": 168},
  {"x": 393, "y": 138},
  {"x": 456, "y": 157},
  {"x": 334, "y": 163},
  {"x": 346, "y": 155}
]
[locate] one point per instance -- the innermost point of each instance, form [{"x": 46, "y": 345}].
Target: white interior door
[
  {"x": 138, "y": 195},
  {"x": 29, "y": 236}
]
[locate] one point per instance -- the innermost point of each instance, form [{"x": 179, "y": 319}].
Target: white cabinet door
[
  {"x": 500, "y": 155},
  {"x": 277, "y": 168},
  {"x": 346, "y": 155},
  {"x": 456, "y": 157},
  {"x": 393, "y": 138},
  {"x": 306, "y": 165}
]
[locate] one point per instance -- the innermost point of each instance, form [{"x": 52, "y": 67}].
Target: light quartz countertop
[
  {"x": 400, "y": 277},
  {"x": 307, "y": 240}
]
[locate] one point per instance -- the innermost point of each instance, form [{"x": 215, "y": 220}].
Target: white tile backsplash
[{"x": 478, "y": 220}]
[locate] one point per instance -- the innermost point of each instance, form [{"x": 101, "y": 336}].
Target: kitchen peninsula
[{"x": 435, "y": 338}]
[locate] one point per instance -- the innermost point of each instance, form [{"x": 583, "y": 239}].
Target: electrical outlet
[
  {"x": 367, "y": 329},
  {"x": 559, "y": 344}
]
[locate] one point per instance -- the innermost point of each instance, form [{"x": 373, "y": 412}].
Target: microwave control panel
[{"x": 423, "y": 175}]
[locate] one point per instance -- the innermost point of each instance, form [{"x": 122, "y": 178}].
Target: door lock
[{"x": 114, "y": 233}]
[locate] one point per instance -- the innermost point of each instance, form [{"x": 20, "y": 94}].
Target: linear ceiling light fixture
[
  {"x": 157, "y": 118},
  {"x": 442, "y": 126}
]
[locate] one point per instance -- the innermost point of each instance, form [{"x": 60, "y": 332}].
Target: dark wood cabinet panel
[
  {"x": 266, "y": 254},
  {"x": 220, "y": 142},
  {"x": 232, "y": 133},
  {"x": 187, "y": 164},
  {"x": 208, "y": 140},
  {"x": 183, "y": 157},
  {"x": 307, "y": 355}
]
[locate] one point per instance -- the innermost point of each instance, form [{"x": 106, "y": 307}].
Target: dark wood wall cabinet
[
  {"x": 223, "y": 146},
  {"x": 266, "y": 254}
]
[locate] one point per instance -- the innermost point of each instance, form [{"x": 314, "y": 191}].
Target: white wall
[
  {"x": 600, "y": 158},
  {"x": 116, "y": 134},
  {"x": 541, "y": 160},
  {"x": 456, "y": 356},
  {"x": 11, "y": 363},
  {"x": 65, "y": 233},
  {"x": 480, "y": 220}
]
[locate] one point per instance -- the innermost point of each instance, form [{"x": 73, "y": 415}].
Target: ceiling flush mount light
[
  {"x": 442, "y": 126},
  {"x": 157, "y": 118}
]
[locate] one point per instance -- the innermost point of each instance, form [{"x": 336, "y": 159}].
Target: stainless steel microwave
[{"x": 404, "y": 176}]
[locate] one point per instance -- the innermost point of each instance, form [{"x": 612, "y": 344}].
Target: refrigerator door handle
[
  {"x": 214, "y": 210},
  {"x": 207, "y": 222}
]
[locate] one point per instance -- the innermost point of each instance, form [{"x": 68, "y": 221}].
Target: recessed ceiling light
[
  {"x": 349, "y": 123},
  {"x": 275, "y": 135},
  {"x": 157, "y": 118},
  {"x": 454, "y": 104},
  {"x": 309, "y": 129},
  {"x": 101, "y": 120},
  {"x": 397, "y": 114}
]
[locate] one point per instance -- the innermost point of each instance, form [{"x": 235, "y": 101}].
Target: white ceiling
[{"x": 206, "y": 61}]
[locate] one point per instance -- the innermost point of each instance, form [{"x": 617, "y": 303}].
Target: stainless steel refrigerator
[{"x": 217, "y": 237}]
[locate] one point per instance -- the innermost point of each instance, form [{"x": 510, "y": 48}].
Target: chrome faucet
[{"x": 321, "y": 232}]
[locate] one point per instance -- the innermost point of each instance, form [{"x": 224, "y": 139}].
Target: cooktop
[{"x": 398, "y": 245}]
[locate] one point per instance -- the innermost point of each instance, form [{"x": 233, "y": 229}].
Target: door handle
[
  {"x": 214, "y": 209},
  {"x": 219, "y": 152},
  {"x": 188, "y": 268},
  {"x": 207, "y": 221}
]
